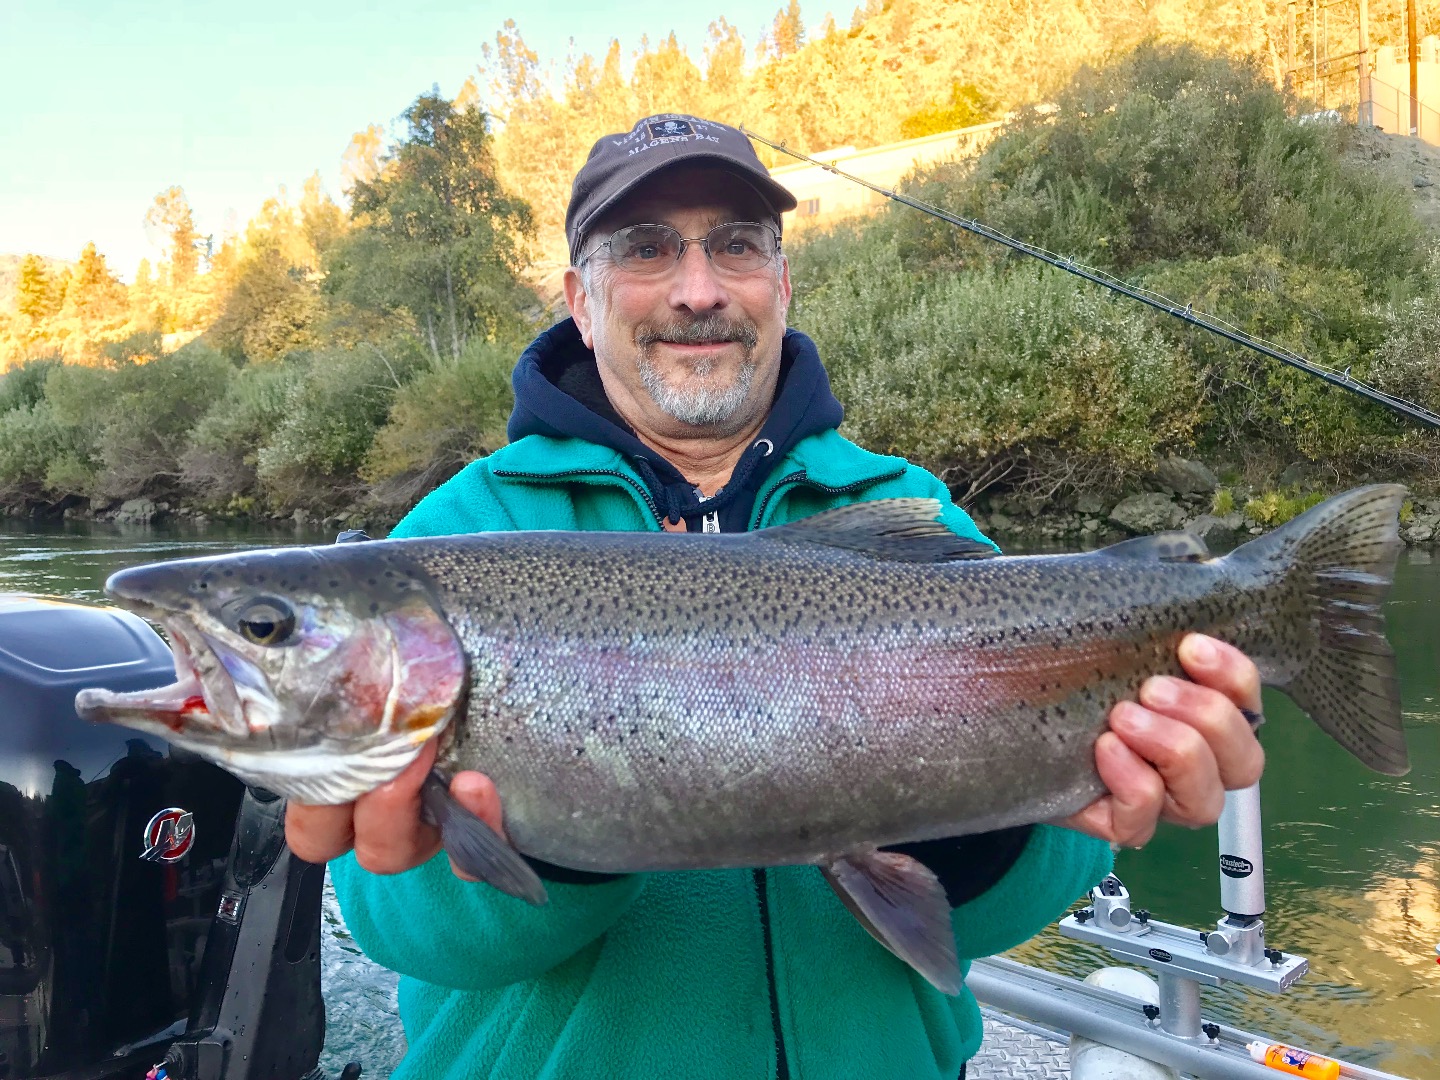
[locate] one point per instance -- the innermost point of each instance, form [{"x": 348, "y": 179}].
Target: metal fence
[{"x": 1390, "y": 111}]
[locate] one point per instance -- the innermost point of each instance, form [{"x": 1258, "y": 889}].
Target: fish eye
[{"x": 267, "y": 622}]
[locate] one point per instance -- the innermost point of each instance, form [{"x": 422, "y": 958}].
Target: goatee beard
[{"x": 704, "y": 407}]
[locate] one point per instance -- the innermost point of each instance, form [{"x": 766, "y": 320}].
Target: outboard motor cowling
[{"x": 113, "y": 851}]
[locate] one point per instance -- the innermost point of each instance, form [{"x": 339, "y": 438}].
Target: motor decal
[{"x": 169, "y": 836}]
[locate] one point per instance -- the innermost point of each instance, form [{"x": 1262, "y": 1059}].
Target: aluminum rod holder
[{"x": 1242, "y": 854}]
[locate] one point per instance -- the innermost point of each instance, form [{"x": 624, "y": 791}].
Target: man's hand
[
  {"x": 384, "y": 826},
  {"x": 1173, "y": 755}
]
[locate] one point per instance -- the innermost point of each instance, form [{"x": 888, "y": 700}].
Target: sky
[{"x": 105, "y": 104}]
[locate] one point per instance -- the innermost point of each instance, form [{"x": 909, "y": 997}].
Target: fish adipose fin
[
  {"x": 475, "y": 847},
  {"x": 1161, "y": 547},
  {"x": 901, "y": 530},
  {"x": 1345, "y": 551},
  {"x": 903, "y": 905}
]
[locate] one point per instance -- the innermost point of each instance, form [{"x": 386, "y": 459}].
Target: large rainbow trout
[{"x": 803, "y": 694}]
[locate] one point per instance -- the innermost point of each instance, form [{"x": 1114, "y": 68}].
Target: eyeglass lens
[{"x": 649, "y": 249}]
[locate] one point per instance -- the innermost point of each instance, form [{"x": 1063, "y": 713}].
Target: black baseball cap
[{"x": 617, "y": 163}]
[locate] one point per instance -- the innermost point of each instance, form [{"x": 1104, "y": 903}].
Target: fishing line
[{"x": 1184, "y": 312}]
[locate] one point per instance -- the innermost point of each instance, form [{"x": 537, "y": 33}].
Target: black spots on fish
[
  {"x": 1043, "y": 716},
  {"x": 579, "y": 751},
  {"x": 333, "y": 583},
  {"x": 374, "y": 608}
]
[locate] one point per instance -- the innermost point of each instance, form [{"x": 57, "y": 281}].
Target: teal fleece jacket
[{"x": 694, "y": 974}]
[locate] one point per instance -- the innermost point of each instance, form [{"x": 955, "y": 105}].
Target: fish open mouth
[{"x": 203, "y": 698}]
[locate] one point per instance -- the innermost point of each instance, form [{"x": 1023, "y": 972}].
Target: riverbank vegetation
[
  {"x": 342, "y": 361},
  {"x": 1179, "y": 170}
]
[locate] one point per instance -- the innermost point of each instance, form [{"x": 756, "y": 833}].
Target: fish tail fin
[{"x": 1341, "y": 556}]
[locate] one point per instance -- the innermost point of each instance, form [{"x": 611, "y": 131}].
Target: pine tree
[
  {"x": 788, "y": 31},
  {"x": 36, "y": 297},
  {"x": 170, "y": 215}
]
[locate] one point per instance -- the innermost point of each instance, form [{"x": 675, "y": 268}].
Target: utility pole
[
  {"x": 1290, "y": 48},
  {"x": 1414, "y": 67},
  {"x": 1365, "y": 114}
]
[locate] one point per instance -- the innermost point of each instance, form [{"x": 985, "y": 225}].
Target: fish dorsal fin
[
  {"x": 903, "y": 530},
  {"x": 1162, "y": 547}
]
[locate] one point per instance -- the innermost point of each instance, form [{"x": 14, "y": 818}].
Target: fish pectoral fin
[
  {"x": 903, "y": 905},
  {"x": 1161, "y": 547},
  {"x": 476, "y": 848},
  {"x": 901, "y": 530}
]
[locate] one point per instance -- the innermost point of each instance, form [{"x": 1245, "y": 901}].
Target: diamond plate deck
[{"x": 1010, "y": 1052}]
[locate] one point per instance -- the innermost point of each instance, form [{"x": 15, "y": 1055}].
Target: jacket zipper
[
  {"x": 762, "y": 892},
  {"x": 639, "y": 488},
  {"x": 802, "y": 477}
]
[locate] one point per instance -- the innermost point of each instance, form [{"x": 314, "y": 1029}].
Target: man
[{"x": 675, "y": 398}]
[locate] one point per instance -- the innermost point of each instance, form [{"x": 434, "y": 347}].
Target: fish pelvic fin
[
  {"x": 475, "y": 847},
  {"x": 901, "y": 902},
  {"x": 1346, "y": 549}
]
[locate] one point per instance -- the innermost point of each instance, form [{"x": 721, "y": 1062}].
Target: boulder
[
  {"x": 1146, "y": 513},
  {"x": 1419, "y": 534},
  {"x": 1090, "y": 504},
  {"x": 137, "y": 512},
  {"x": 1216, "y": 532},
  {"x": 1297, "y": 473},
  {"x": 1186, "y": 477}
]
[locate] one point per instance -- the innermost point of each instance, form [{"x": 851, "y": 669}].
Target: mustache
[{"x": 705, "y": 330}]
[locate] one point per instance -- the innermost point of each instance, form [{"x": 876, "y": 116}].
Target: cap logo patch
[{"x": 671, "y": 129}]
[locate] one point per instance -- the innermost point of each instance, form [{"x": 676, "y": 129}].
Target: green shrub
[
  {"x": 1277, "y": 507},
  {"x": 1255, "y": 404},
  {"x": 331, "y": 416},
  {"x": 452, "y": 413},
  {"x": 219, "y": 462},
  {"x": 31, "y": 442},
  {"x": 1024, "y": 376},
  {"x": 1223, "y": 502},
  {"x": 133, "y": 419},
  {"x": 24, "y": 384},
  {"x": 1171, "y": 153}
]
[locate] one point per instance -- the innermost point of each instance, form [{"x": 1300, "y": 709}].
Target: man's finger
[
  {"x": 1128, "y": 814},
  {"x": 390, "y": 838},
  {"x": 1221, "y": 667},
  {"x": 476, "y": 793},
  {"x": 1191, "y": 790},
  {"x": 1218, "y": 721},
  {"x": 317, "y": 834}
]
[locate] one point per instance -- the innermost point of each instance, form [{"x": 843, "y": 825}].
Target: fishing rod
[{"x": 1183, "y": 312}]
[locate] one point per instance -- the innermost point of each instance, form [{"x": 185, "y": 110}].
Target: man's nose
[{"x": 695, "y": 284}]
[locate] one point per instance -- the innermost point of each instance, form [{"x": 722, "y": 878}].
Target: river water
[{"x": 1352, "y": 859}]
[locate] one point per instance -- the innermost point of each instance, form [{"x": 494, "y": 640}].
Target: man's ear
[
  {"x": 578, "y": 301},
  {"x": 785, "y": 289}
]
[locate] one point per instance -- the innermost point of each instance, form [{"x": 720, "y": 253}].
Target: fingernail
[
  {"x": 1130, "y": 717},
  {"x": 1160, "y": 691},
  {"x": 1202, "y": 650}
]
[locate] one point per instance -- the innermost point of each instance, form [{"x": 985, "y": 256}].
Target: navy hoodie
[{"x": 558, "y": 393}]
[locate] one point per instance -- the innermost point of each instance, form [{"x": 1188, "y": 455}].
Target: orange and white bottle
[{"x": 1296, "y": 1062}]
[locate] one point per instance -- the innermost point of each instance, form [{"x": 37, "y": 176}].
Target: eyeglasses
[{"x": 737, "y": 247}]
